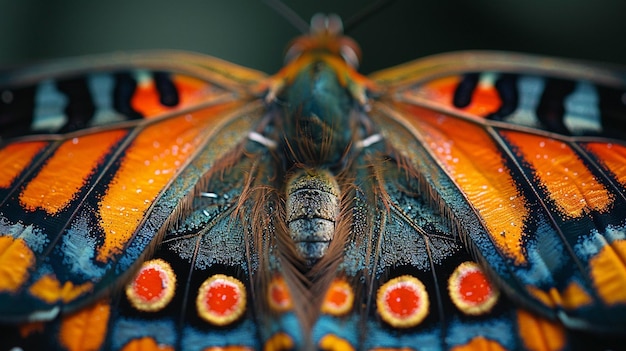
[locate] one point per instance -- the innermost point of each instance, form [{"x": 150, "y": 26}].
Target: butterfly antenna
[
  {"x": 365, "y": 14},
  {"x": 289, "y": 14}
]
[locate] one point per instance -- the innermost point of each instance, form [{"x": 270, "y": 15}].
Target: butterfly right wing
[{"x": 542, "y": 210}]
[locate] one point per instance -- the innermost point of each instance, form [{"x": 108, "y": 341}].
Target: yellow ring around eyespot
[
  {"x": 474, "y": 308},
  {"x": 338, "y": 289},
  {"x": 168, "y": 284},
  {"x": 233, "y": 312},
  {"x": 410, "y": 285},
  {"x": 278, "y": 296}
]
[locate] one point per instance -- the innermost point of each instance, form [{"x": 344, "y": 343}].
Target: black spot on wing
[
  {"x": 464, "y": 91},
  {"x": 16, "y": 111},
  {"x": 125, "y": 87},
  {"x": 168, "y": 95},
  {"x": 612, "y": 111},
  {"x": 506, "y": 86},
  {"x": 551, "y": 109},
  {"x": 80, "y": 108}
]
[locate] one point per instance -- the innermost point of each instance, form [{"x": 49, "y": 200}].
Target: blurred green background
[{"x": 250, "y": 33}]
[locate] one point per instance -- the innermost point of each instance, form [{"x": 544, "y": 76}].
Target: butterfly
[{"x": 176, "y": 201}]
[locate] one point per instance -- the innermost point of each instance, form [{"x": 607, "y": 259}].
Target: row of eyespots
[
  {"x": 337, "y": 302},
  {"x": 403, "y": 302},
  {"x": 221, "y": 299}
]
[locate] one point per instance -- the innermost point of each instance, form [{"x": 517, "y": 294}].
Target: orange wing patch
[
  {"x": 66, "y": 172},
  {"x": 227, "y": 348},
  {"x": 569, "y": 183},
  {"x": 86, "y": 329},
  {"x": 485, "y": 98},
  {"x": 49, "y": 289},
  {"x": 473, "y": 161},
  {"x": 16, "y": 259},
  {"x": 146, "y": 97},
  {"x": 151, "y": 162},
  {"x": 608, "y": 271},
  {"x": 339, "y": 298},
  {"x": 470, "y": 290},
  {"x": 153, "y": 286},
  {"x": 540, "y": 334},
  {"x": 15, "y": 157},
  {"x": 221, "y": 300},
  {"x": 279, "y": 342},
  {"x": 613, "y": 157},
  {"x": 332, "y": 342},
  {"x": 145, "y": 344},
  {"x": 403, "y": 302},
  {"x": 480, "y": 343},
  {"x": 572, "y": 297}
]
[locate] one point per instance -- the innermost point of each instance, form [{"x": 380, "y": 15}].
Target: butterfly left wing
[
  {"x": 542, "y": 210},
  {"x": 81, "y": 205}
]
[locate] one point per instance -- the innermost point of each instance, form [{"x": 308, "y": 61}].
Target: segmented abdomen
[{"x": 312, "y": 209}]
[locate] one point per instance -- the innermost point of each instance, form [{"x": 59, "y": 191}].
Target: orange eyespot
[
  {"x": 278, "y": 295},
  {"x": 402, "y": 302},
  {"x": 221, "y": 300},
  {"x": 339, "y": 298}
]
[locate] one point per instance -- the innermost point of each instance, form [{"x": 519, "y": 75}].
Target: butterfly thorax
[
  {"x": 320, "y": 96},
  {"x": 321, "y": 93},
  {"x": 319, "y": 123}
]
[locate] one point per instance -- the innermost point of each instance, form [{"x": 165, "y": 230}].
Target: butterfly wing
[
  {"x": 543, "y": 209},
  {"x": 405, "y": 276},
  {"x": 80, "y": 206},
  {"x": 206, "y": 285},
  {"x": 411, "y": 187}
]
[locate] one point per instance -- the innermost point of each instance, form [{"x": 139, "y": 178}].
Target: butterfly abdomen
[{"x": 312, "y": 209}]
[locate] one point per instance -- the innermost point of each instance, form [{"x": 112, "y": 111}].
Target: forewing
[
  {"x": 533, "y": 181},
  {"x": 83, "y": 202}
]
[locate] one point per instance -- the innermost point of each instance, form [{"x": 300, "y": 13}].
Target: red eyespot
[
  {"x": 153, "y": 286},
  {"x": 470, "y": 290},
  {"x": 402, "y": 302},
  {"x": 339, "y": 298},
  {"x": 221, "y": 300}
]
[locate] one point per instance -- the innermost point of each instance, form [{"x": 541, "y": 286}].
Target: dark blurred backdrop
[{"x": 249, "y": 33}]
